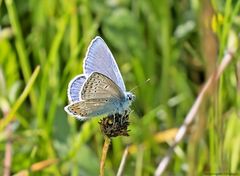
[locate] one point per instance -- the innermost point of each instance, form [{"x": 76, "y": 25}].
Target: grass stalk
[
  {"x": 193, "y": 111},
  {"x": 5, "y": 121},
  {"x": 123, "y": 162},
  {"x": 105, "y": 148},
  {"x": 20, "y": 45}
]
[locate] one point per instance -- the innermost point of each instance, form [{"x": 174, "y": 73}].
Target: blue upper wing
[
  {"x": 74, "y": 88},
  {"x": 100, "y": 59}
]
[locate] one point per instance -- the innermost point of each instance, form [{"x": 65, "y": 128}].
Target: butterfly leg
[
  {"x": 123, "y": 116},
  {"x": 114, "y": 118}
]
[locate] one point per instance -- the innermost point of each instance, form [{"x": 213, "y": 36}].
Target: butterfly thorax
[{"x": 128, "y": 99}]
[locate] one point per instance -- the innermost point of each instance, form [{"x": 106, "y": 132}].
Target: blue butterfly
[{"x": 100, "y": 90}]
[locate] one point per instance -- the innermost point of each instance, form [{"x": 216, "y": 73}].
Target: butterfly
[{"x": 100, "y": 90}]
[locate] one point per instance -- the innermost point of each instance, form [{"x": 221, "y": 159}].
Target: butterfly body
[{"x": 100, "y": 90}]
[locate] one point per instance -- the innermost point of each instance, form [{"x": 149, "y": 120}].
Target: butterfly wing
[
  {"x": 85, "y": 109},
  {"x": 74, "y": 88},
  {"x": 100, "y": 59},
  {"x": 101, "y": 87},
  {"x": 99, "y": 95}
]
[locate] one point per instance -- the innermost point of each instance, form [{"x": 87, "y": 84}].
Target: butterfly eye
[{"x": 129, "y": 97}]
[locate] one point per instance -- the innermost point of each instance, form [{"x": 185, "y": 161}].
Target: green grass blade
[{"x": 20, "y": 100}]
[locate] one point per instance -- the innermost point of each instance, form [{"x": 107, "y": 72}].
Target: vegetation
[{"x": 175, "y": 44}]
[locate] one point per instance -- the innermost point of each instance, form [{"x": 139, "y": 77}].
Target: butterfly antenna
[{"x": 139, "y": 85}]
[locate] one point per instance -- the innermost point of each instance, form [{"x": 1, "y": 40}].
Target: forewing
[
  {"x": 90, "y": 108},
  {"x": 100, "y": 59},
  {"x": 100, "y": 86},
  {"x": 74, "y": 88}
]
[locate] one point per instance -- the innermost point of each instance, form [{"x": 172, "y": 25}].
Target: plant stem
[
  {"x": 123, "y": 161},
  {"x": 106, "y": 144},
  {"x": 193, "y": 111}
]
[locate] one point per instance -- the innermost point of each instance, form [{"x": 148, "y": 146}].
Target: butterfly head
[{"x": 129, "y": 96}]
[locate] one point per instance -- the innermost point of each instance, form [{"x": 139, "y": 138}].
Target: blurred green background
[{"x": 176, "y": 44}]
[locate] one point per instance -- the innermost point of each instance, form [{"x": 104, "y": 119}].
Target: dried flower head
[{"x": 115, "y": 125}]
